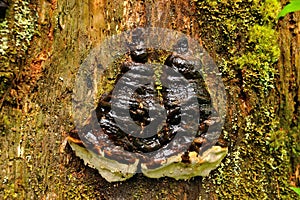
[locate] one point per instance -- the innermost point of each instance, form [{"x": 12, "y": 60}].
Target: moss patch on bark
[{"x": 242, "y": 37}]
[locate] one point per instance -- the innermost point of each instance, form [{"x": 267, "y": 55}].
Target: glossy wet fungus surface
[
  {"x": 155, "y": 119},
  {"x": 3, "y": 7}
]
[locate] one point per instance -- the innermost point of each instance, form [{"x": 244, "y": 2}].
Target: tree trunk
[
  {"x": 38, "y": 80},
  {"x": 288, "y": 85}
]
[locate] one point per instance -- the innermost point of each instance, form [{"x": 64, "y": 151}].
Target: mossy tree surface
[
  {"x": 288, "y": 85},
  {"x": 248, "y": 53},
  {"x": 262, "y": 124}
]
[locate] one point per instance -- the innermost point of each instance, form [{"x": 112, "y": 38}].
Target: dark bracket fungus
[
  {"x": 3, "y": 7},
  {"x": 158, "y": 119}
]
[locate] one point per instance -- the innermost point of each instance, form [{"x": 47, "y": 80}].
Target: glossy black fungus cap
[{"x": 3, "y": 7}]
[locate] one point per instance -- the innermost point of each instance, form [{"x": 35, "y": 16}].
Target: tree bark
[
  {"x": 36, "y": 108},
  {"x": 288, "y": 84}
]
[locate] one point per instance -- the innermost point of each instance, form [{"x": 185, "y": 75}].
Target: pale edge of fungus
[
  {"x": 109, "y": 169},
  {"x": 114, "y": 171}
]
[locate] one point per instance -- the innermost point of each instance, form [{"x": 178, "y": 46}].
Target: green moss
[
  {"x": 242, "y": 36},
  {"x": 269, "y": 10},
  {"x": 258, "y": 62}
]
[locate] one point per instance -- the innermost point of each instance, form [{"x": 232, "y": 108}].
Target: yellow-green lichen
[
  {"x": 24, "y": 25},
  {"x": 243, "y": 38},
  {"x": 3, "y": 39},
  {"x": 18, "y": 29},
  {"x": 16, "y": 32}
]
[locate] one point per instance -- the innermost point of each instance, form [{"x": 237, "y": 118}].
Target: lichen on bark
[
  {"x": 246, "y": 47},
  {"x": 257, "y": 166}
]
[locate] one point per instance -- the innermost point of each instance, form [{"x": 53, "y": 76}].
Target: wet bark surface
[{"x": 35, "y": 165}]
